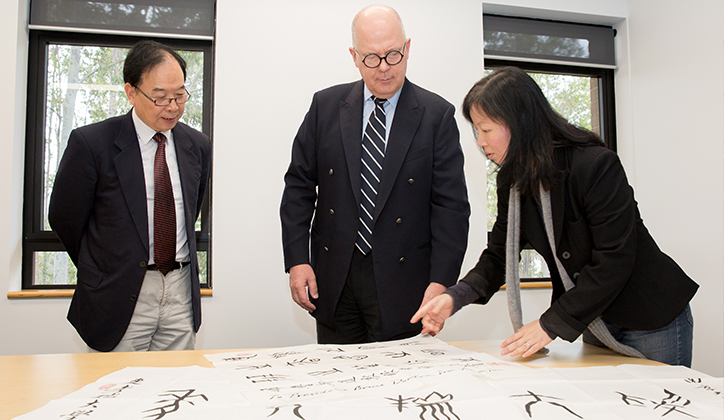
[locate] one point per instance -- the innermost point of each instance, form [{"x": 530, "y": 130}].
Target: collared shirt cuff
[
  {"x": 543, "y": 326},
  {"x": 462, "y": 295},
  {"x": 561, "y": 324}
]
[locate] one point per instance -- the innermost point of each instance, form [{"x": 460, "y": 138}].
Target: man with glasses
[
  {"x": 126, "y": 198},
  {"x": 376, "y": 188}
]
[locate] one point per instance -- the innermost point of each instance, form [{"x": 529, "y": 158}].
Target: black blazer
[
  {"x": 98, "y": 210},
  {"x": 618, "y": 270},
  {"x": 421, "y": 213}
]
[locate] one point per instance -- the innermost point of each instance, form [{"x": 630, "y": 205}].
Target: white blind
[
  {"x": 548, "y": 41},
  {"x": 195, "y": 18}
]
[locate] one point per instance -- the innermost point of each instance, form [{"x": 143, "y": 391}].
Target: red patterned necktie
[{"x": 164, "y": 211}]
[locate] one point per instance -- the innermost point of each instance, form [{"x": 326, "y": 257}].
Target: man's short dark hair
[{"x": 144, "y": 56}]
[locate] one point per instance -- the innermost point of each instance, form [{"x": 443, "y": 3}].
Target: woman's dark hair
[
  {"x": 510, "y": 96},
  {"x": 144, "y": 56}
]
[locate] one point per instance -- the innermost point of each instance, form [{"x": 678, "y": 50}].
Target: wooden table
[{"x": 29, "y": 382}]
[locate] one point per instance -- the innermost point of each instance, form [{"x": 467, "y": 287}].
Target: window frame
[
  {"x": 34, "y": 238},
  {"x": 606, "y": 88}
]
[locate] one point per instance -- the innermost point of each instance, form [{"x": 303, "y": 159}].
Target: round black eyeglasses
[{"x": 373, "y": 61}]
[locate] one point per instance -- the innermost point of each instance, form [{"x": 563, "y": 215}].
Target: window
[
  {"x": 75, "y": 79},
  {"x": 573, "y": 65}
]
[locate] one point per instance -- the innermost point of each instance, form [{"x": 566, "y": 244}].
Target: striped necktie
[
  {"x": 164, "y": 211},
  {"x": 373, "y": 154}
]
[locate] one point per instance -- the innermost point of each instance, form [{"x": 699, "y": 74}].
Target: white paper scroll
[{"x": 418, "y": 378}]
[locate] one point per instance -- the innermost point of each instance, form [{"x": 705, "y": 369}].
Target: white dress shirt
[{"x": 148, "y": 152}]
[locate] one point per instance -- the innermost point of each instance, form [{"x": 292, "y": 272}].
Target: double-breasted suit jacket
[
  {"x": 98, "y": 209},
  {"x": 618, "y": 270},
  {"x": 421, "y": 213}
]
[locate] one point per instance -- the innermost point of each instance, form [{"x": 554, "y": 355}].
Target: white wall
[
  {"x": 263, "y": 89},
  {"x": 675, "y": 121}
]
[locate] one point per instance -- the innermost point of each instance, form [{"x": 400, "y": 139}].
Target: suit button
[
  {"x": 331, "y": 211},
  {"x": 566, "y": 255},
  {"x": 402, "y": 259},
  {"x": 399, "y": 221},
  {"x": 331, "y": 171},
  {"x": 410, "y": 181},
  {"x": 134, "y": 297},
  {"x": 575, "y": 275},
  {"x": 143, "y": 264},
  {"x": 326, "y": 249}
]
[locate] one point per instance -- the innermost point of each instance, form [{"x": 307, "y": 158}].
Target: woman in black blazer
[{"x": 564, "y": 193}]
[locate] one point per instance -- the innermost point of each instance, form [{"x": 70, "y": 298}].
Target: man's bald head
[
  {"x": 377, "y": 33},
  {"x": 376, "y": 12}
]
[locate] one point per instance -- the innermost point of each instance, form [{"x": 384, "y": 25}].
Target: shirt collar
[
  {"x": 391, "y": 100},
  {"x": 144, "y": 132}
]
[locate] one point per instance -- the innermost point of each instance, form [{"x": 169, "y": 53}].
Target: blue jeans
[{"x": 670, "y": 344}]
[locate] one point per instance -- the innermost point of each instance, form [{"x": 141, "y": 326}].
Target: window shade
[
  {"x": 548, "y": 41},
  {"x": 184, "y": 18}
]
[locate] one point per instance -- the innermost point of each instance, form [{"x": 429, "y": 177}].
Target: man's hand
[
  {"x": 301, "y": 278},
  {"x": 432, "y": 290},
  {"x": 434, "y": 313}
]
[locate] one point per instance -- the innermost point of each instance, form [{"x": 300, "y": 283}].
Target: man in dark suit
[
  {"x": 378, "y": 164},
  {"x": 125, "y": 202}
]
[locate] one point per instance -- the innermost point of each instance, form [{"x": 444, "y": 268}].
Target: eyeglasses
[
  {"x": 392, "y": 58},
  {"x": 180, "y": 100}
]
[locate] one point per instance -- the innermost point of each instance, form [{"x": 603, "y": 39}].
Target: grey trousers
[{"x": 163, "y": 318}]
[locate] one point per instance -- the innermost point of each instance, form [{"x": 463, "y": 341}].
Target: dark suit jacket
[
  {"x": 619, "y": 271},
  {"x": 421, "y": 213},
  {"x": 98, "y": 210}
]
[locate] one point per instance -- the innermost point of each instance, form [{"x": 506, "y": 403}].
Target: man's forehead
[
  {"x": 162, "y": 89},
  {"x": 383, "y": 46},
  {"x": 167, "y": 69}
]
